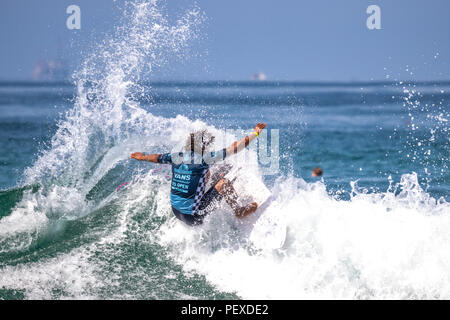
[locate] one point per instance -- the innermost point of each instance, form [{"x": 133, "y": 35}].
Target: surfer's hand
[
  {"x": 137, "y": 155},
  {"x": 259, "y": 127}
]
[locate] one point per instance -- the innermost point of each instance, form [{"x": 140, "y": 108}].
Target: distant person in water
[
  {"x": 317, "y": 172},
  {"x": 190, "y": 173}
]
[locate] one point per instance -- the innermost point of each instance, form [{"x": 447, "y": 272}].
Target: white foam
[
  {"x": 71, "y": 274},
  {"x": 91, "y": 139},
  {"x": 379, "y": 246}
]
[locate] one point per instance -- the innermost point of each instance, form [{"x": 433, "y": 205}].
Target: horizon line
[{"x": 31, "y": 82}]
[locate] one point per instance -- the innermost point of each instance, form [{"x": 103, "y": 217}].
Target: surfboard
[
  {"x": 264, "y": 231},
  {"x": 248, "y": 185}
]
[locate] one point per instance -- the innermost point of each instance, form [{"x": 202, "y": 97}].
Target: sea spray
[
  {"x": 427, "y": 123},
  {"x": 105, "y": 112},
  {"x": 105, "y": 123}
]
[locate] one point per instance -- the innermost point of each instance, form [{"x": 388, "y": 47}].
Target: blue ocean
[{"x": 374, "y": 226}]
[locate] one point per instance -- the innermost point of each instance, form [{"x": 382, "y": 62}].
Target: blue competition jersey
[{"x": 189, "y": 171}]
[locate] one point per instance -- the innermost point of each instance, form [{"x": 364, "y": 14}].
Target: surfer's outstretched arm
[
  {"x": 239, "y": 145},
  {"x": 142, "y": 157}
]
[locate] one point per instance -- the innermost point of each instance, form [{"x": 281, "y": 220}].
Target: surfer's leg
[{"x": 225, "y": 188}]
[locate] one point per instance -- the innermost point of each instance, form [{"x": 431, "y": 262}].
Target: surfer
[{"x": 190, "y": 173}]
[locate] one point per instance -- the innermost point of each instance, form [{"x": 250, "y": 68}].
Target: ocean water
[{"x": 374, "y": 227}]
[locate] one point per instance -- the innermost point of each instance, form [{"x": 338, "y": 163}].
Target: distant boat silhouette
[
  {"x": 260, "y": 76},
  {"x": 51, "y": 69}
]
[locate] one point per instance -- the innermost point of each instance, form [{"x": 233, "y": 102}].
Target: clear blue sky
[{"x": 287, "y": 40}]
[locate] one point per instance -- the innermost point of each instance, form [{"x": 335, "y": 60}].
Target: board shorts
[{"x": 207, "y": 205}]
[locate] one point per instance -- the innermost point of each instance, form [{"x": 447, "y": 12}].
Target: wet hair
[
  {"x": 317, "y": 171},
  {"x": 199, "y": 141}
]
